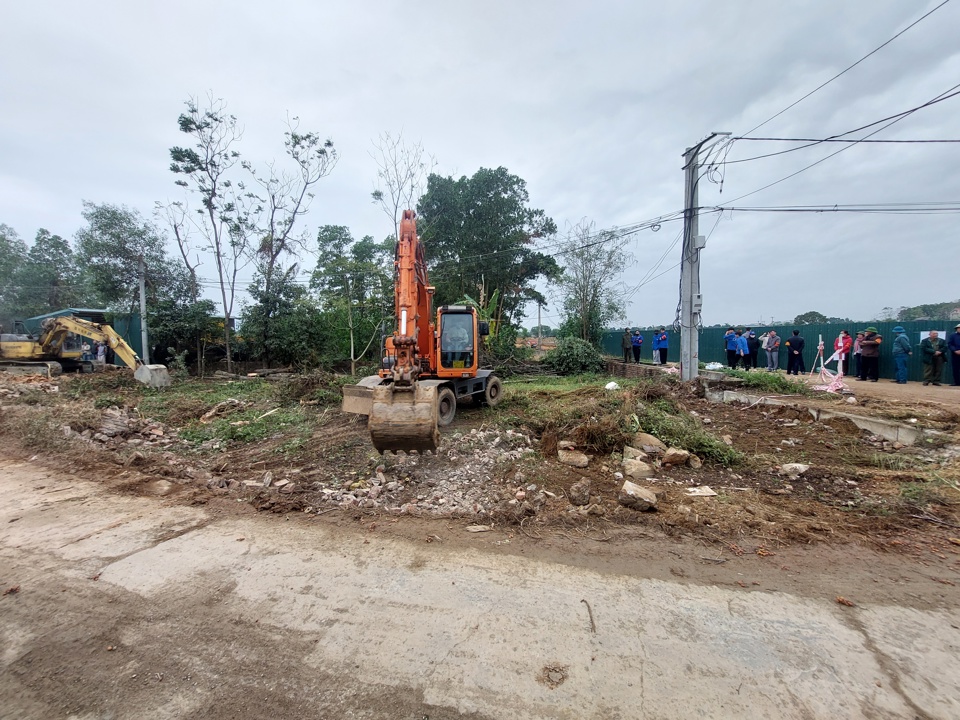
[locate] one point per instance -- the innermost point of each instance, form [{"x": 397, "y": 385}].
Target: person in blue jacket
[
  {"x": 637, "y": 341},
  {"x": 743, "y": 350},
  {"x": 661, "y": 343},
  {"x": 902, "y": 350},
  {"x": 730, "y": 343}
]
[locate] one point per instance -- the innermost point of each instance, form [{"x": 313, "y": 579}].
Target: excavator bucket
[
  {"x": 153, "y": 375},
  {"x": 404, "y": 419}
]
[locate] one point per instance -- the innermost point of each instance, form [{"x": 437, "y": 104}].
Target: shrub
[{"x": 573, "y": 356}]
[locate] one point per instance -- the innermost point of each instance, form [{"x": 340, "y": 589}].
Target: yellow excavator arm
[{"x": 55, "y": 329}]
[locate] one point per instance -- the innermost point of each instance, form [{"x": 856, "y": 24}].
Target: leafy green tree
[
  {"x": 810, "y": 318},
  {"x": 49, "y": 278},
  {"x": 109, "y": 251},
  {"x": 544, "y": 330},
  {"x": 480, "y": 237},
  {"x": 354, "y": 286},
  {"x": 13, "y": 254}
]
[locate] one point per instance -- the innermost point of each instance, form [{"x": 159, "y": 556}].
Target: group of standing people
[
  {"x": 632, "y": 345},
  {"x": 97, "y": 353},
  {"x": 743, "y": 347}
]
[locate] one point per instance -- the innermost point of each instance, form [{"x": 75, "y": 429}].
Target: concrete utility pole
[
  {"x": 143, "y": 312},
  {"x": 691, "y": 301}
]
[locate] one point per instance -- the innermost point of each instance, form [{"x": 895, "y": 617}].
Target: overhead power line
[{"x": 847, "y": 69}]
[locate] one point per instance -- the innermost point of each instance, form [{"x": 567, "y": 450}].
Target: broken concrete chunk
[
  {"x": 566, "y": 445},
  {"x": 573, "y": 458},
  {"x": 637, "y": 469},
  {"x": 636, "y": 498},
  {"x": 702, "y": 491},
  {"x": 694, "y": 462},
  {"x": 632, "y": 453},
  {"x": 579, "y": 492},
  {"x": 676, "y": 456},
  {"x": 793, "y": 470},
  {"x": 646, "y": 439},
  {"x": 267, "y": 479}
]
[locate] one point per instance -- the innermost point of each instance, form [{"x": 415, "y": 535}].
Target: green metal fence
[{"x": 712, "y": 348}]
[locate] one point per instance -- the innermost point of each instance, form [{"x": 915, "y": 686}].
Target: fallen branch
[{"x": 938, "y": 521}]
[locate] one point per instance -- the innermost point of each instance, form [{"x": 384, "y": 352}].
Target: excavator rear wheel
[
  {"x": 493, "y": 392},
  {"x": 446, "y": 406}
]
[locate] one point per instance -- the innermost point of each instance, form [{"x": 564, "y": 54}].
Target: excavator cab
[{"x": 458, "y": 340}]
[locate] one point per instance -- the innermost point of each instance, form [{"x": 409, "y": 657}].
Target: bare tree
[
  {"x": 590, "y": 287},
  {"x": 221, "y": 219},
  {"x": 281, "y": 199},
  {"x": 402, "y": 171}
]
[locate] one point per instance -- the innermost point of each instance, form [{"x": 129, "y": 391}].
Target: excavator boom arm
[{"x": 55, "y": 330}]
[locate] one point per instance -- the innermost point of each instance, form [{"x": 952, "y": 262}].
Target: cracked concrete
[{"x": 394, "y": 627}]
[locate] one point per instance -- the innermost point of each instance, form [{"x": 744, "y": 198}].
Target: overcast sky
[{"x": 592, "y": 104}]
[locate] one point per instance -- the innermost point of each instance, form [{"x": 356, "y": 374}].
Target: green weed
[{"x": 771, "y": 383}]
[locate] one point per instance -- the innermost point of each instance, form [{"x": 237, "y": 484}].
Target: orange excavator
[{"x": 429, "y": 365}]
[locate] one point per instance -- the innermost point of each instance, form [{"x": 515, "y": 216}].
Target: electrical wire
[{"x": 847, "y": 69}]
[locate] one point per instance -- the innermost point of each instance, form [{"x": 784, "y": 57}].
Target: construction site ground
[{"x": 232, "y": 548}]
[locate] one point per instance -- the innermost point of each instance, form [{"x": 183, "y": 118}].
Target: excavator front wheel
[{"x": 446, "y": 406}]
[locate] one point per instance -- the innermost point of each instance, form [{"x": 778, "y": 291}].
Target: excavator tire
[
  {"x": 493, "y": 392},
  {"x": 446, "y": 406},
  {"x": 404, "y": 419}
]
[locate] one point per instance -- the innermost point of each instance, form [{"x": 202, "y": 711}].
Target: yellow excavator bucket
[{"x": 404, "y": 419}]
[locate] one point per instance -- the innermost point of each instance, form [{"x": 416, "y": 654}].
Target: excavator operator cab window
[{"x": 456, "y": 340}]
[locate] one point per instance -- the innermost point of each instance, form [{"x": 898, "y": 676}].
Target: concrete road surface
[{"x": 133, "y": 607}]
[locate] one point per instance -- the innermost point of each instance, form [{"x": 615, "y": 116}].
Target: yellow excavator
[
  {"x": 429, "y": 365},
  {"x": 49, "y": 354}
]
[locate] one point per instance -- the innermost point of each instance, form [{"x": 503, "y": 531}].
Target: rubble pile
[{"x": 122, "y": 427}]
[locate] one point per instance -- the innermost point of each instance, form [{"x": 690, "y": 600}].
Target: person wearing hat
[
  {"x": 870, "y": 355},
  {"x": 626, "y": 344},
  {"x": 933, "y": 351},
  {"x": 637, "y": 343},
  {"x": 953, "y": 345},
  {"x": 753, "y": 345},
  {"x": 902, "y": 350}
]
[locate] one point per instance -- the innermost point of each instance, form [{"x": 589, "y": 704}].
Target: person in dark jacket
[
  {"x": 953, "y": 345},
  {"x": 933, "y": 352},
  {"x": 730, "y": 343},
  {"x": 902, "y": 350},
  {"x": 662, "y": 344},
  {"x": 637, "y": 344},
  {"x": 626, "y": 344},
  {"x": 870, "y": 355},
  {"x": 794, "y": 348},
  {"x": 753, "y": 345}
]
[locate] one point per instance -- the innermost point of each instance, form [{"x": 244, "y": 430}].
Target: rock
[
  {"x": 632, "y": 453},
  {"x": 66, "y": 430},
  {"x": 851, "y": 401},
  {"x": 618, "y": 476},
  {"x": 374, "y": 492},
  {"x": 898, "y": 446},
  {"x": 694, "y": 462},
  {"x": 596, "y": 509},
  {"x": 676, "y": 456},
  {"x": 793, "y": 470},
  {"x": 279, "y": 483},
  {"x": 637, "y": 469},
  {"x": 645, "y": 440},
  {"x": 636, "y": 498},
  {"x": 478, "y": 528},
  {"x": 727, "y": 440},
  {"x": 267, "y": 479},
  {"x": 573, "y": 458},
  {"x": 579, "y": 492},
  {"x": 392, "y": 485},
  {"x": 521, "y": 495},
  {"x": 566, "y": 445}
]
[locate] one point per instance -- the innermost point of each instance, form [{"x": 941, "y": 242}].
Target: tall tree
[
  {"x": 480, "y": 235},
  {"x": 244, "y": 220},
  {"x": 810, "y": 318},
  {"x": 13, "y": 253},
  {"x": 109, "y": 251},
  {"x": 591, "y": 292}
]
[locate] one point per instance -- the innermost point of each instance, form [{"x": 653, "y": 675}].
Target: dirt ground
[{"x": 870, "y": 522}]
